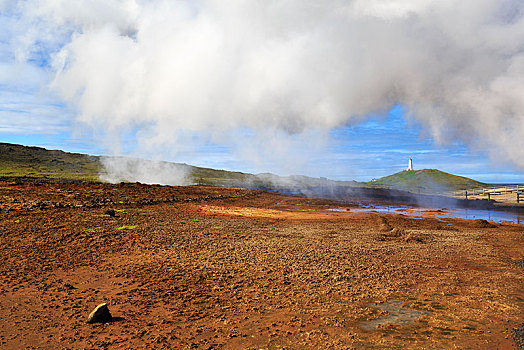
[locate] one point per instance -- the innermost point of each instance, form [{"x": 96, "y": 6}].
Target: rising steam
[{"x": 162, "y": 68}]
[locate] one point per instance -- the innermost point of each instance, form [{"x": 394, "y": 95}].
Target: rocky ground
[{"x": 206, "y": 268}]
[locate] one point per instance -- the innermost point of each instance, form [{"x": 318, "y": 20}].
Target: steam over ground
[{"x": 164, "y": 68}]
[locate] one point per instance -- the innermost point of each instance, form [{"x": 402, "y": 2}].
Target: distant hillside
[
  {"x": 23, "y": 163},
  {"x": 18, "y": 162},
  {"x": 427, "y": 180}
]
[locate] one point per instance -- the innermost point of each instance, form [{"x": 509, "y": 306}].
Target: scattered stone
[
  {"x": 518, "y": 336},
  {"x": 100, "y": 314},
  {"x": 69, "y": 286}
]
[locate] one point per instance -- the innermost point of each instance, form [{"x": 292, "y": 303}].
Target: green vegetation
[
  {"x": 427, "y": 180},
  {"x": 29, "y": 163},
  {"x": 125, "y": 227},
  {"x": 22, "y": 163}
]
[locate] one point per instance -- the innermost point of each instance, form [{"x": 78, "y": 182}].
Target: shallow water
[
  {"x": 460, "y": 213},
  {"x": 398, "y": 315}
]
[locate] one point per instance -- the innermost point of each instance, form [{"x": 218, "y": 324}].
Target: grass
[
  {"x": 18, "y": 161},
  {"x": 426, "y": 180},
  {"x": 126, "y": 227}
]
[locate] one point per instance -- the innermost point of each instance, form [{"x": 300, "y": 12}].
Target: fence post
[
  {"x": 466, "y": 195},
  {"x": 489, "y": 196}
]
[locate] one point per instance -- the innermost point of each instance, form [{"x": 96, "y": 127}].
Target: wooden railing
[
  {"x": 499, "y": 193},
  {"x": 506, "y": 193}
]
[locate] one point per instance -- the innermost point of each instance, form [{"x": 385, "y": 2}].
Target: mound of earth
[{"x": 481, "y": 223}]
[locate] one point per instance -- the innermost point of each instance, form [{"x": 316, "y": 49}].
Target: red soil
[{"x": 205, "y": 267}]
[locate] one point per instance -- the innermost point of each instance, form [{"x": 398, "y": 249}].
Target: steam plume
[{"x": 208, "y": 66}]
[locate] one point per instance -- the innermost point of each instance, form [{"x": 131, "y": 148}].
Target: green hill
[
  {"x": 36, "y": 164},
  {"x": 23, "y": 162},
  {"x": 426, "y": 180},
  {"x": 18, "y": 162}
]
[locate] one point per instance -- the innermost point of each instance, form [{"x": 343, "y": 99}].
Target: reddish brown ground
[{"x": 203, "y": 267}]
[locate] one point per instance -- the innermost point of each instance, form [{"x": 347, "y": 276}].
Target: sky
[{"x": 348, "y": 90}]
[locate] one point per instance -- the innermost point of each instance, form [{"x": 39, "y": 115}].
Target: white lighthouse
[{"x": 410, "y": 165}]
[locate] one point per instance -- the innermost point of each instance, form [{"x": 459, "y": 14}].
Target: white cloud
[
  {"x": 392, "y": 9},
  {"x": 214, "y": 66}
]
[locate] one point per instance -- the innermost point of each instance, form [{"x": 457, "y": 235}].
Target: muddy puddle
[
  {"x": 398, "y": 315},
  {"x": 460, "y": 213}
]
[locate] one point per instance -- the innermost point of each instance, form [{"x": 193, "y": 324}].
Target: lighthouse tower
[{"x": 410, "y": 165}]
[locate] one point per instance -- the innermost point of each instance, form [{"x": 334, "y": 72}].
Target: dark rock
[
  {"x": 100, "y": 314},
  {"x": 69, "y": 286},
  {"x": 110, "y": 212}
]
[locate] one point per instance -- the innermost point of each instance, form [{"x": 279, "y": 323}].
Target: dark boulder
[{"x": 100, "y": 314}]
